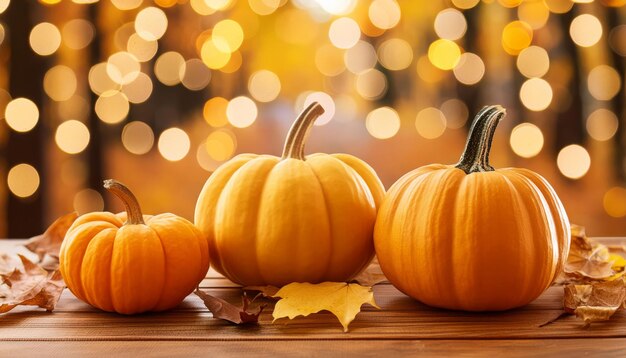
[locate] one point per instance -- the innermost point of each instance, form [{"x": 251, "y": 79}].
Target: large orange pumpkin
[
  {"x": 468, "y": 236},
  {"x": 132, "y": 263},
  {"x": 274, "y": 221}
]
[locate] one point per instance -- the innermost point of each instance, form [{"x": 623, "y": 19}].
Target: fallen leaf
[
  {"x": 265, "y": 291},
  {"x": 344, "y": 300},
  {"x": 595, "y": 302},
  {"x": 33, "y": 286},
  {"x": 229, "y": 312},
  {"x": 371, "y": 276},
  {"x": 8, "y": 263},
  {"x": 49, "y": 243}
]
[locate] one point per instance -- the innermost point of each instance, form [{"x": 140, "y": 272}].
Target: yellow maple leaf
[{"x": 344, "y": 300}]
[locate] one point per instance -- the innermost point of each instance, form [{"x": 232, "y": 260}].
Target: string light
[
  {"x": 23, "y": 180},
  {"x": 72, "y": 136},
  {"x": 174, "y": 144},
  {"x": 526, "y": 140},
  {"x": 573, "y": 161},
  {"x": 241, "y": 112},
  {"x": 21, "y": 114}
]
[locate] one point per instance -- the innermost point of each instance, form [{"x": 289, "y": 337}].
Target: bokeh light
[
  {"x": 143, "y": 50},
  {"x": 264, "y": 86},
  {"x": 77, "y": 33},
  {"x": 123, "y": 67},
  {"x": 174, "y": 144},
  {"x": 168, "y": 68},
  {"x": 45, "y": 39},
  {"x": 444, "y": 54},
  {"x": 456, "y": 113},
  {"x": 614, "y": 202},
  {"x": 383, "y": 122},
  {"x": 384, "y": 14},
  {"x": 573, "y": 161},
  {"x": 241, "y": 112},
  {"x": 344, "y": 33},
  {"x": 533, "y": 61},
  {"x": 360, "y": 57},
  {"x": 585, "y": 30},
  {"x": 137, "y": 137},
  {"x": 194, "y": 74},
  {"x": 72, "y": 136},
  {"x": 450, "y": 24},
  {"x": 516, "y": 36},
  {"x": 395, "y": 54},
  {"x": 139, "y": 90},
  {"x": 220, "y": 145},
  {"x": 602, "y": 124},
  {"x": 213, "y": 56},
  {"x": 112, "y": 107},
  {"x": 603, "y": 82},
  {"x": 99, "y": 80},
  {"x": 23, "y": 180},
  {"x": 60, "y": 83},
  {"x": 227, "y": 35},
  {"x": 21, "y": 114},
  {"x": 526, "y": 140},
  {"x": 536, "y": 94},
  {"x": 214, "y": 112},
  {"x": 430, "y": 123},
  {"x": 151, "y": 23},
  {"x": 371, "y": 84},
  {"x": 87, "y": 201},
  {"x": 470, "y": 69}
]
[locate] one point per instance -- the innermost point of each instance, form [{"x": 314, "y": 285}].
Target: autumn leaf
[
  {"x": 8, "y": 263},
  {"x": 33, "y": 286},
  {"x": 50, "y": 241},
  {"x": 229, "y": 312},
  {"x": 344, "y": 300},
  {"x": 371, "y": 276},
  {"x": 265, "y": 291},
  {"x": 595, "y": 302}
]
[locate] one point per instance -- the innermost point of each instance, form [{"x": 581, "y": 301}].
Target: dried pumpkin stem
[
  {"x": 133, "y": 211},
  {"x": 294, "y": 145},
  {"x": 475, "y": 157}
]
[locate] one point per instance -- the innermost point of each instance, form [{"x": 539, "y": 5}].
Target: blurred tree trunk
[
  {"x": 570, "y": 122},
  {"x": 25, "y": 216},
  {"x": 94, "y": 150},
  {"x": 617, "y": 103}
]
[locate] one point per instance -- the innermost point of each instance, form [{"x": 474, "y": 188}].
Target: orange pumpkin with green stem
[
  {"x": 132, "y": 263},
  {"x": 274, "y": 221},
  {"x": 471, "y": 237}
]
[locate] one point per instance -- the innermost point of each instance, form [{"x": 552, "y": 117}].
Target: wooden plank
[
  {"x": 422, "y": 348},
  {"x": 180, "y": 325}
]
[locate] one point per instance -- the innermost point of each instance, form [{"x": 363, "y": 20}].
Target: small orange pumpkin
[
  {"x": 273, "y": 221},
  {"x": 132, "y": 263},
  {"x": 471, "y": 237}
]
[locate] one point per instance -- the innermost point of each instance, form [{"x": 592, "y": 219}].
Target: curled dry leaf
[
  {"x": 49, "y": 243},
  {"x": 371, "y": 276},
  {"x": 595, "y": 302},
  {"x": 265, "y": 291},
  {"x": 590, "y": 261},
  {"x": 33, "y": 286},
  {"x": 223, "y": 310},
  {"x": 8, "y": 263},
  {"x": 344, "y": 300}
]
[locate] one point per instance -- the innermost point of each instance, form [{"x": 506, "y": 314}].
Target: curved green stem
[
  {"x": 475, "y": 157},
  {"x": 294, "y": 144},
  {"x": 133, "y": 211}
]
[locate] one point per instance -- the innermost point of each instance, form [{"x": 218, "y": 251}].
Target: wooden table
[{"x": 402, "y": 327}]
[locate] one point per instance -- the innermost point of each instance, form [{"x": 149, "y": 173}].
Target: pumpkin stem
[
  {"x": 299, "y": 131},
  {"x": 475, "y": 157},
  {"x": 133, "y": 211}
]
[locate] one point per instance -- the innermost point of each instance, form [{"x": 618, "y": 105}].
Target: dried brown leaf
[
  {"x": 371, "y": 276},
  {"x": 265, "y": 291},
  {"x": 32, "y": 286},
  {"x": 223, "y": 310},
  {"x": 49, "y": 243},
  {"x": 595, "y": 302},
  {"x": 8, "y": 263}
]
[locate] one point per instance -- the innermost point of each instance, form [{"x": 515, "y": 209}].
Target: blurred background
[{"x": 159, "y": 93}]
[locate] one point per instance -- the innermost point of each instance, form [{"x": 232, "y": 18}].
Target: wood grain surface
[{"x": 402, "y": 327}]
